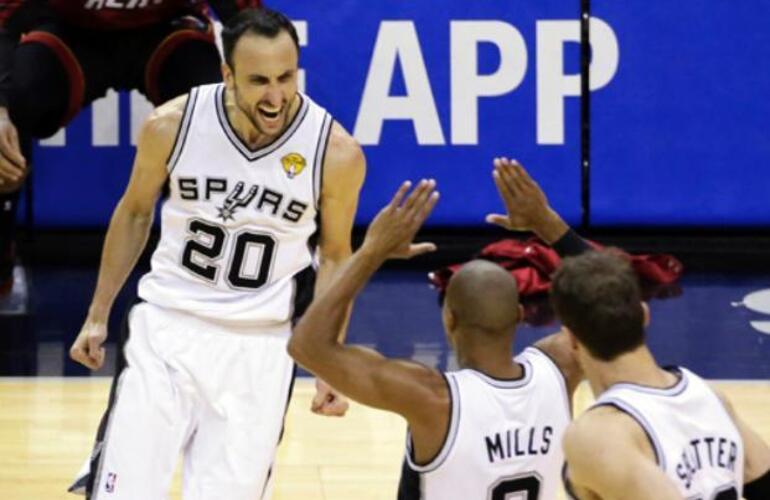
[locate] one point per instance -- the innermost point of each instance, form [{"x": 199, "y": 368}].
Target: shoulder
[
  {"x": 598, "y": 426},
  {"x": 160, "y": 129},
  {"x": 558, "y": 349},
  {"x": 345, "y": 160}
]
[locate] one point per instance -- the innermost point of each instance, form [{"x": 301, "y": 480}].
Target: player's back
[
  {"x": 504, "y": 437},
  {"x": 693, "y": 436}
]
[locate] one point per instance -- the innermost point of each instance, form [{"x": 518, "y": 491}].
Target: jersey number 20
[{"x": 204, "y": 247}]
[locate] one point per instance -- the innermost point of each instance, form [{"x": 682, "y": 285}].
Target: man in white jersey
[
  {"x": 490, "y": 430},
  {"x": 258, "y": 174},
  {"x": 653, "y": 433}
]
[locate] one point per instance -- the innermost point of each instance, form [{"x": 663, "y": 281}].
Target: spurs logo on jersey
[
  {"x": 239, "y": 226},
  {"x": 695, "y": 440},
  {"x": 503, "y": 439}
]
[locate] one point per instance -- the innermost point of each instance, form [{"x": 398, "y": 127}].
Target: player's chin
[{"x": 270, "y": 125}]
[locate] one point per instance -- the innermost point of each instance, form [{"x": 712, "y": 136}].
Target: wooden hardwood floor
[{"x": 47, "y": 425}]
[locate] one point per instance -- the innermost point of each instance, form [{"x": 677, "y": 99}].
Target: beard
[{"x": 252, "y": 114}]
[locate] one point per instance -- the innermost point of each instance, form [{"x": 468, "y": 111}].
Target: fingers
[
  {"x": 503, "y": 189},
  {"x": 335, "y": 408},
  {"x": 418, "y": 196},
  {"x": 498, "y": 220},
  {"x": 329, "y": 404},
  {"x": 95, "y": 349},
  {"x": 399, "y": 196},
  {"x": 79, "y": 354},
  {"x": 15, "y": 152},
  {"x": 9, "y": 172},
  {"x": 427, "y": 208},
  {"x": 423, "y": 199},
  {"x": 416, "y": 249},
  {"x": 9, "y": 147}
]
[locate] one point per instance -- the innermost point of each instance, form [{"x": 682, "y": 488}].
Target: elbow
[{"x": 297, "y": 348}]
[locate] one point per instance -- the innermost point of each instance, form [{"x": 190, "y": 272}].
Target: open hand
[
  {"x": 392, "y": 231},
  {"x": 524, "y": 201}
]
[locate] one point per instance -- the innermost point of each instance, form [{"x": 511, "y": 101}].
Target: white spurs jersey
[
  {"x": 239, "y": 226},
  {"x": 695, "y": 440},
  {"x": 504, "y": 437}
]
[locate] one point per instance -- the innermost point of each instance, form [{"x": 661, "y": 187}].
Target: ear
[
  {"x": 519, "y": 314},
  {"x": 227, "y": 75},
  {"x": 646, "y": 313},
  {"x": 450, "y": 320},
  {"x": 573, "y": 342}
]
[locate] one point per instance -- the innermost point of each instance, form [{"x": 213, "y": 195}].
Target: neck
[
  {"x": 636, "y": 367},
  {"x": 491, "y": 354},
  {"x": 244, "y": 127}
]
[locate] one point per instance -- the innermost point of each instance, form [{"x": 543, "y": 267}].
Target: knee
[
  {"x": 40, "y": 92},
  {"x": 192, "y": 61}
]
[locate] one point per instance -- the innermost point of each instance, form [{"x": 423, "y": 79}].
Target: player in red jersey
[{"x": 57, "y": 56}]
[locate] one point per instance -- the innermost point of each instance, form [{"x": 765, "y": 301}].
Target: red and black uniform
[{"x": 57, "y": 56}]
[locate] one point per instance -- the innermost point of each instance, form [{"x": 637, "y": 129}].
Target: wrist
[
  {"x": 551, "y": 228},
  {"x": 370, "y": 254},
  {"x": 98, "y": 313}
]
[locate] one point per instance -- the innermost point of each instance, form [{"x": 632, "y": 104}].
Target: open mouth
[{"x": 269, "y": 116}]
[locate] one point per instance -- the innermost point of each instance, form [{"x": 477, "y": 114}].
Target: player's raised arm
[
  {"x": 129, "y": 227},
  {"x": 363, "y": 374},
  {"x": 527, "y": 209},
  {"x": 609, "y": 458}
]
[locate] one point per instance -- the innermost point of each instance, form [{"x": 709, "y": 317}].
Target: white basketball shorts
[{"x": 215, "y": 394}]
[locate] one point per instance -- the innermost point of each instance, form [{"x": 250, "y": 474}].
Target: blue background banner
[{"x": 437, "y": 89}]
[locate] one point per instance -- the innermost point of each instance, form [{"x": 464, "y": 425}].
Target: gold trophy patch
[{"x": 293, "y": 164}]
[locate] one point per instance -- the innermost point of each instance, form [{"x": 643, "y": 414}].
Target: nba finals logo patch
[
  {"x": 109, "y": 485},
  {"x": 293, "y": 164}
]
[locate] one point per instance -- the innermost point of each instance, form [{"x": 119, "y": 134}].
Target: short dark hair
[
  {"x": 260, "y": 21},
  {"x": 597, "y": 296}
]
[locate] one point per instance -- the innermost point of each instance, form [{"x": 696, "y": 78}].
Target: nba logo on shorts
[{"x": 109, "y": 485}]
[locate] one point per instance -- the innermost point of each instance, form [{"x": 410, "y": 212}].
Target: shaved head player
[{"x": 491, "y": 429}]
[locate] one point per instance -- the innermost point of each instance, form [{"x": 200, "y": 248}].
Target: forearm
[
  {"x": 125, "y": 240},
  {"x": 320, "y": 326},
  {"x": 327, "y": 271}
]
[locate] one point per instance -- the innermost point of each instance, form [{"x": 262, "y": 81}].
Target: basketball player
[
  {"x": 258, "y": 174},
  {"x": 491, "y": 429},
  {"x": 58, "y": 56},
  {"x": 654, "y": 432}
]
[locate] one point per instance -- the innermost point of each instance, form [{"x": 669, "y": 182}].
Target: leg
[
  {"x": 240, "y": 424},
  {"x": 186, "y": 58},
  {"x": 46, "y": 80},
  {"x": 148, "y": 422}
]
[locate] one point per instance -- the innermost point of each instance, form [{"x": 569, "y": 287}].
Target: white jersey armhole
[
  {"x": 184, "y": 128},
  {"x": 451, "y": 435},
  {"x": 540, "y": 354}
]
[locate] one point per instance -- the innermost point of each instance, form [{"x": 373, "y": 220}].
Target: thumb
[
  {"x": 421, "y": 248},
  {"x": 498, "y": 220},
  {"x": 318, "y": 400}
]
